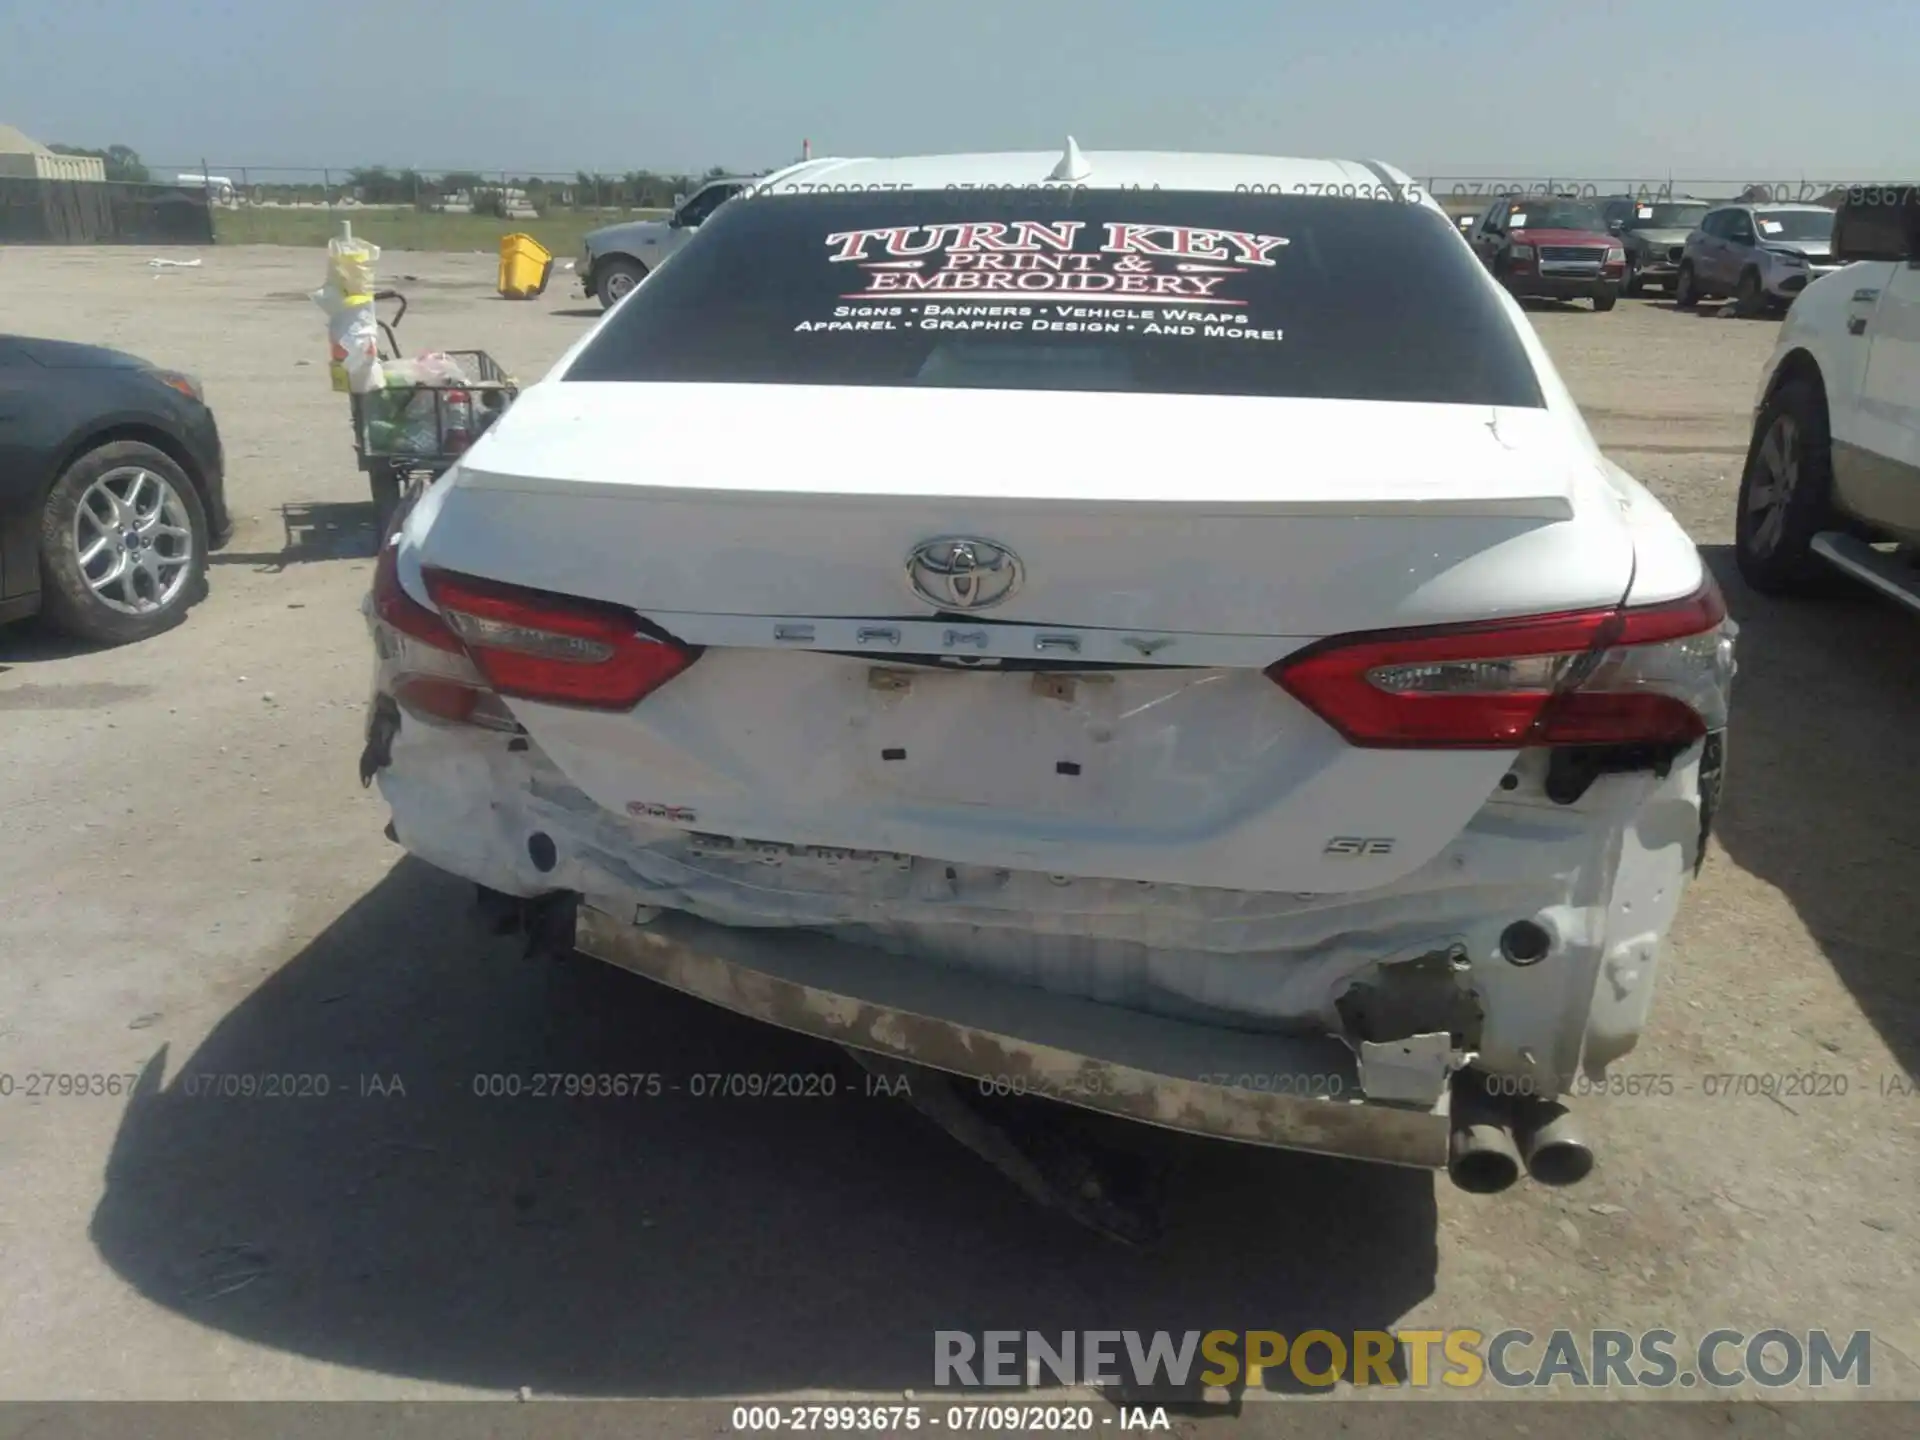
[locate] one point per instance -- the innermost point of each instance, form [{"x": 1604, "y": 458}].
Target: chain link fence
[{"x": 503, "y": 194}]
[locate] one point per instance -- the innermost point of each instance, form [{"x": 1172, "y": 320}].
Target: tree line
[
  {"x": 121, "y": 161},
  {"x": 487, "y": 193},
  {"x": 635, "y": 189}
]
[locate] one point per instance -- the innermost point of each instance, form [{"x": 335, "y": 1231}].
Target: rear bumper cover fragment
[{"x": 1286, "y": 1091}]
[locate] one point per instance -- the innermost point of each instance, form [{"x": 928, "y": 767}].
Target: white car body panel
[
  {"x": 1861, "y": 328},
  {"x": 686, "y": 525},
  {"x": 1817, "y": 326},
  {"x": 1889, "y": 406},
  {"x": 1187, "y": 864}
]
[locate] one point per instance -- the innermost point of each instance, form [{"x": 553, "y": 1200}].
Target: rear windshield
[
  {"x": 1554, "y": 215},
  {"x": 1115, "y": 290},
  {"x": 1665, "y": 217},
  {"x": 1794, "y": 224}
]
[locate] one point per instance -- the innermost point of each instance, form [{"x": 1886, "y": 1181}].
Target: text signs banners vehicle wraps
[{"x": 1129, "y": 262}]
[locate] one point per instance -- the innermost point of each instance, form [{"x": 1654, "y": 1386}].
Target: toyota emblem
[{"x": 958, "y": 572}]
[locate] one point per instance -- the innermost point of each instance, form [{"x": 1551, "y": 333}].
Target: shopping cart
[{"x": 408, "y": 434}]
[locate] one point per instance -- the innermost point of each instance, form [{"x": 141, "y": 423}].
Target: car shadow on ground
[
  {"x": 590, "y": 312},
  {"x": 1539, "y": 305},
  {"x": 663, "y": 1246},
  {"x": 1716, "y": 310},
  {"x": 315, "y": 530},
  {"x": 1820, "y": 795},
  {"x": 33, "y": 641}
]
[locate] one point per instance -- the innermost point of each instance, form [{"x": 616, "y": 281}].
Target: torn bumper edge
[{"x": 1285, "y": 1091}]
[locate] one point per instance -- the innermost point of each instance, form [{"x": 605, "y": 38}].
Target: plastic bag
[
  {"x": 353, "y": 341},
  {"x": 353, "y": 330},
  {"x": 350, "y": 267},
  {"x": 434, "y": 368}
]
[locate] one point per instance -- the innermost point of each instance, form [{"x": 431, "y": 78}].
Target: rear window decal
[
  {"x": 1772, "y": 227},
  {"x": 1043, "y": 320},
  {"x": 1126, "y": 261},
  {"x": 1122, "y": 291}
]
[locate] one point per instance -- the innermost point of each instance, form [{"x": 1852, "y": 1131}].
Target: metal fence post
[{"x": 206, "y": 186}]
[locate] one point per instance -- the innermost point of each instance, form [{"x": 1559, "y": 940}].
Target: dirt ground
[{"x": 192, "y": 881}]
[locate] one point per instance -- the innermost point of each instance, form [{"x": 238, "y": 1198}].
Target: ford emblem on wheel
[{"x": 961, "y": 573}]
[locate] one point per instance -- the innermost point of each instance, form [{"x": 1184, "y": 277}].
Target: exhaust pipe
[
  {"x": 1482, "y": 1158},
  {"x": 1551, "y": 1144}
]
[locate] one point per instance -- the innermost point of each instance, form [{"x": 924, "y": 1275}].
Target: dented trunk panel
[{"x": 1196, "y": 777}]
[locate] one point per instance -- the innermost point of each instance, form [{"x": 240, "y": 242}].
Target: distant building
[{"x": 23, "y": 157}]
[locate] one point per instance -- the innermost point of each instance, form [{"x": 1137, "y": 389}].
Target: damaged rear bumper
[{"x": 1289, "y": 1091}]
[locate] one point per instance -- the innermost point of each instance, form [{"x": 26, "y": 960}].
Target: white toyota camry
[{"x": 1147, "y": 630}]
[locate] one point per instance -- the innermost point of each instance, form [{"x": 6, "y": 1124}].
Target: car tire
[
  {"x": 1604, "y": 300},
  {"x": 614, "y": 277},
  {"x": 123, "y": 545},
  {"x": 1748, "y": 297},
  {"x": 1685, "y": 296},
  {"x": 1785, "y": 493}
]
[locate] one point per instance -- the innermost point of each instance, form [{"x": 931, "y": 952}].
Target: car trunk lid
[
  {"x": 1109, "y": 717},
  {"x": 1203, "y": 515}
]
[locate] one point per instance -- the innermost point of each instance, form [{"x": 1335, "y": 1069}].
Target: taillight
[
  {"x": 1654, "y": 674},
  {"x": 404, "y": 613},
  {"x": 557, "y": 648}
]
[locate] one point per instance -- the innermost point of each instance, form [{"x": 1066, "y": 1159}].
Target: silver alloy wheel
[
  {"x": 133, "y": 540},
  {"x": 1774, "y": 479},
  {"x": 618, "y": 284}
]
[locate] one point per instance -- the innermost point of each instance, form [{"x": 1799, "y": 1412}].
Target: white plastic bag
[
  {"x": 353, "y": 330},
  {"x": 434, "y": 368}
]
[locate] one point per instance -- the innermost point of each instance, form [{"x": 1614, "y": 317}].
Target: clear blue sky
[{"x": 1760, "y": 89}]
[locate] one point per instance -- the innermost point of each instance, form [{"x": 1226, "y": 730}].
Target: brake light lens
[
  {"x": 559, "y": 649},
  {"x": 404, "y": 613},
  {"x": 1650, "y": 675}
]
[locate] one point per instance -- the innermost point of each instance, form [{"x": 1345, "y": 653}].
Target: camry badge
[{"x": 958, "y": 572}]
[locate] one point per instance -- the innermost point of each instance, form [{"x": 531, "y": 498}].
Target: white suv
[
  {"x": 1833, "y": 471},
  {"x": 1147, "y": 630}
]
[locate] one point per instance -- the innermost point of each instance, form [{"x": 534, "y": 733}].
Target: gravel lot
[{"x": 191, "y": 880}]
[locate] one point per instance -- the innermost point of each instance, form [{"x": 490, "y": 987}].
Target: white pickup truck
[
  {"x": 1832, "y": 480},
  {"x": 615, "y": 258}
]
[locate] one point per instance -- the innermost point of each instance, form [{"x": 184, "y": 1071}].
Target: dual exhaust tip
[{"x": 1493, "y": 1141}]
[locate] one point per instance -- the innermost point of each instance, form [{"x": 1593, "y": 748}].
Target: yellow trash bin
[{"x": 525, "y": 265}]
